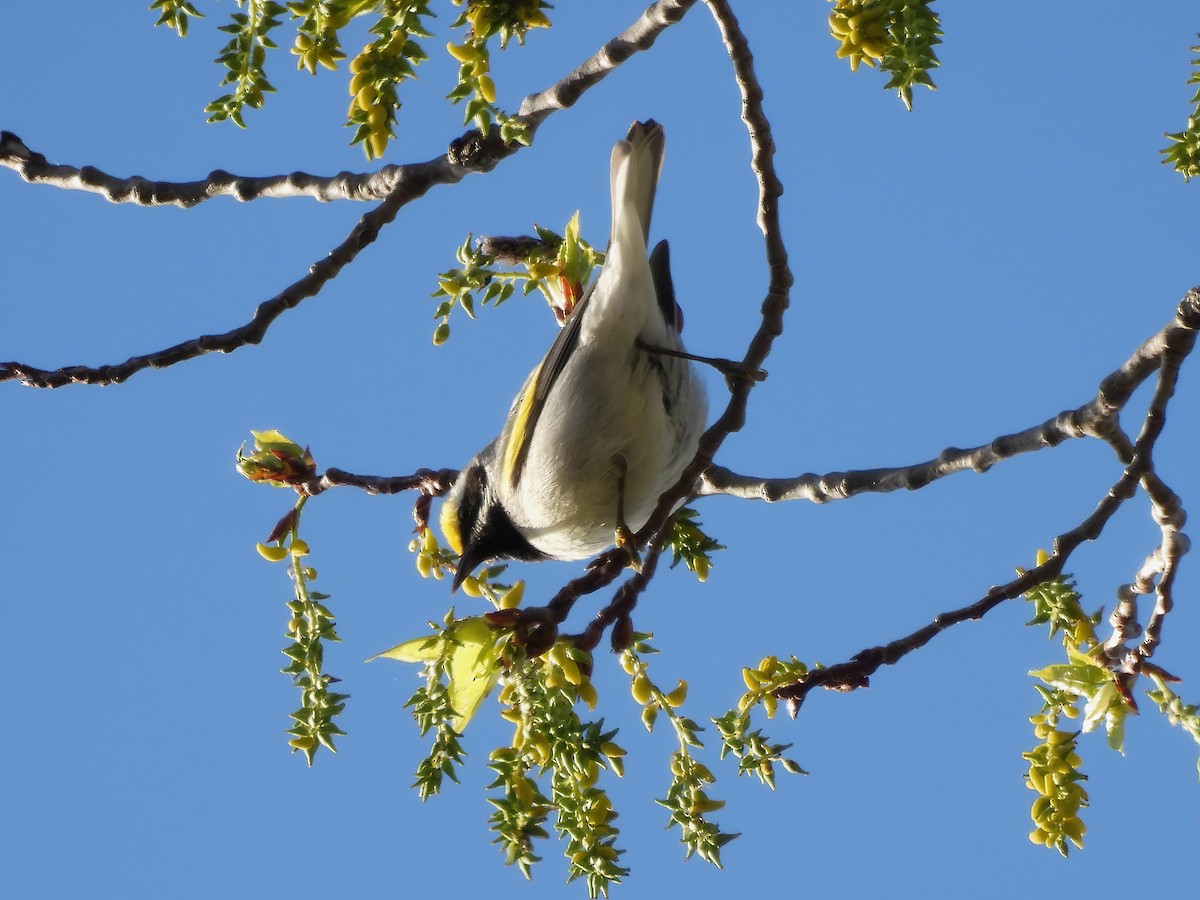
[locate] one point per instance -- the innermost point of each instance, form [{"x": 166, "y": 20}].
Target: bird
[{"x": 611, "y": 416}]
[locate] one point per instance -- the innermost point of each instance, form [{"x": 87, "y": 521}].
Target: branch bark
[
  {"x": 35, "y": 168},
  {"x": 415, "y": 182},
  {"x": 399, "y": 185},
  {"x": 1171, "y": 346},
  {"x": 1096, "y": 418}
]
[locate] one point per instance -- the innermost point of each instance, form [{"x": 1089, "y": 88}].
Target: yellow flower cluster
[
  {"x": 317, "y": 53},
  {"x": 514, "y": 17},
  {"x": 476, "y": 66},
  {"x": 372, "y": 94},
  {"x": 1054, "y": 774},
  {"x": 862, "y": 27},
  {"x": 429, "y": 555},
  {"x": 761, "y": 683}
]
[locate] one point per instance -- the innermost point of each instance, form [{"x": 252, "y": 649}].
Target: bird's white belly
[{"x": 570, "y": 489}]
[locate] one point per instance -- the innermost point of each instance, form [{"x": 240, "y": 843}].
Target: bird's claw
[{"x": 627, "y": 542}]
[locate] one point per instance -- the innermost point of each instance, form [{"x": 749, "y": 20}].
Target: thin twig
[
  {"x": 777, "y": 300},
  {"x": 430, "y": 481},
  {"x": 623, "y": 602},
  {"x": 416, "y": 182},
  {"x": 1157, "y": 573}
]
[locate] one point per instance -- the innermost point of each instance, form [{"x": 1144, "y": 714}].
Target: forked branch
[
  {"x": 398, "y": 185},
  {"x": 1168, "y": 348}
]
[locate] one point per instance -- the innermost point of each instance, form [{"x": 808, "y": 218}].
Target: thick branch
[
  {"x": 1095, "y": 418},
  {"x": 639, "y": 36},
  {"x": 1173, "y": 349},
  {"x": 470, "y": 153},
  {"x": 36, "y": 169},
  {"x": 1166, "y": 508}
]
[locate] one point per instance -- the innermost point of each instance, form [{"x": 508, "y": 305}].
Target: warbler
[{"x": 610, "y": 417}]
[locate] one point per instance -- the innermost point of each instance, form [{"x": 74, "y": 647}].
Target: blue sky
[{"x": 963, "y": 271}]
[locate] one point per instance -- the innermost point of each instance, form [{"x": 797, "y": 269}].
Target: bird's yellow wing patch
[{"x": 518, "y": 435}]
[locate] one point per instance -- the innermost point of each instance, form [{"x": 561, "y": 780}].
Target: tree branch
[
  {"x": 470, "y": 153},
  {"x": 430, "y": 481},
  {"x": 34, "y": 168},
  {"x": 639, "y": 36},
  {"x": 1157, "y": 573},
  {"x": 414, "y": 182},
  {"x": 608, "y": 566},
  {"x": 620, "y": 608},
  {"x": 1177, "y": 342},
  {"x": 777, "y": 300},
  {"x": 1166, "y": 508},
  {"x": 1096, "y": 418}
]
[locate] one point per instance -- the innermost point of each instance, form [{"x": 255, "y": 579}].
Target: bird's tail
[{"x": 636, "y": 162}]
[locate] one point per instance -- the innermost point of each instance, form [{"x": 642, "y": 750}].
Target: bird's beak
[{"x": 467, "y": 563}]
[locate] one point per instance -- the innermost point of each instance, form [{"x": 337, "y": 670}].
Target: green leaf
[
  {"x": 473, "y": 668},
  {"x": 1114, "y": 723},
  {"x": 420, "y": 649},
  {"x": 1082, "y": 680},
  {"x": 274, "y": 440}
]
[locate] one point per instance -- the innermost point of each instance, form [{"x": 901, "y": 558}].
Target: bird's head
[{"x": 477, "y": 526}]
